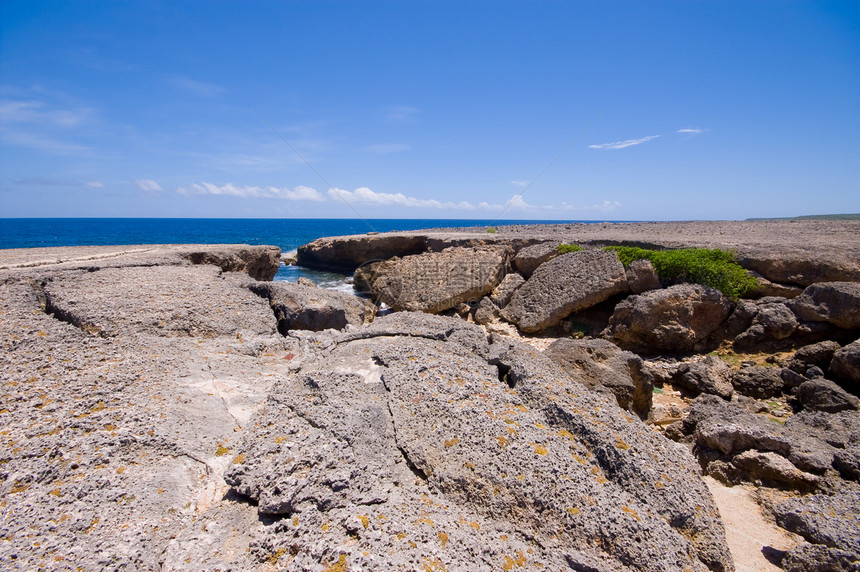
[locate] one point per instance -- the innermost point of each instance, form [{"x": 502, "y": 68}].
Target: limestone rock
[
  {"x": 820, "y": 354},
  {"x": 502, "y": 293},
  {"x": 774, "y": 469},
  {"x": 595, "y": 362},
  {"x": 529, "y": 258},
  {"x": 835, "y": 302},
  {"x": 436, "y": 281},
  {"x": 642, "y": 277},
  {"x": 846, "y": 364},
  {"x": 773, "y": 322},
  {"x": 819, "y": 558},
  {"x": 831, "y": 520},
  {"x": 758, "y": 382},
  {"x": 847, "y": 462},
  {"x": 565, "y": 284},
  {"x": 710, "y": 375},
  {"x": 674, "y": 319},
  {"x": 823, "y": 395},
  {"x": 298, "y": 307},
  {"x": 259, "y": 262},
  {"x": 413, "y": 440},
  {"x": 486, "y": 311},
  {"x": 303, "y": 281}
]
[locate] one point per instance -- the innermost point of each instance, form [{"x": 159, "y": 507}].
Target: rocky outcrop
[
  {"x": 565, "y": 284},
  {"x": 835, "y": 302},
  {"x": 846, "y": 364},
  {"x": 414, "y": 440},
  {"x": 711, "y": 376},
  {"x": 601, "y": 364},
  {"x": 671, "y": 320},
  {"x": 529, "y": 258},
  {"x": 502, "y": 293},
  {"x": 434, "y": 282},
  {"x": 299, "y": 307},
  {"x": 258, "y": 262}
]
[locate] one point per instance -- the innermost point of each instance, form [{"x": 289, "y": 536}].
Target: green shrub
[
  {"x": 565, "y": 248},
  {"x": 715, "y": 268},
  {"x": 492, "y": 230}
]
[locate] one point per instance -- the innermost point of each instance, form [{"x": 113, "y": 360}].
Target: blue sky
[{"x": 641, "y": 110}]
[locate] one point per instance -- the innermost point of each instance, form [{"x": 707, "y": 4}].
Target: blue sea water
[{"x": 288, "y": 234}]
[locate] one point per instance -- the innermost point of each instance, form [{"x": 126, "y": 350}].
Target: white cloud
[
  {"x": 95, "y": 184},
  {"x": 691, "y": 130},
  {"x": 623, "y": 144},
  {"x": 520, "y": 183},
  {"x": 299, "y": 193},
  {"x": 385, "y": 148},
  {"x": 147, "y": 185},
  {"x": 402, "y": 113},
  {"x": 367, "y": 196}
]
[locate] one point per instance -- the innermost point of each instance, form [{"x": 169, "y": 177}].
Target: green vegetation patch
[
  {"x": 565, "y": 248},
  {"x": 714, "y": 268},
  {"x": 492, "y": 230}
]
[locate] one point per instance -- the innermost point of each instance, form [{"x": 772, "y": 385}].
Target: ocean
[{"x": 288, "y": 234}]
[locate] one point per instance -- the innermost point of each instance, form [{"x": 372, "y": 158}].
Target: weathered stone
[
  {"x": 835, "y": 302},
  {"x": 847, "y": 462},
  {"x": 642, "y": 277},
  {"x": 773, "y": 322},
  {"x": 774, "y": 469},
  {"x": 529, "y": 258},
  {"x": 767, "y": 288},
  {"x": 710, "y": 375},
  {"x": 820, "y": 354},
  {"x": 674, "y": 319},
  {"x": 823, "y": 395},
  {"x": 436, "y": 281},
  {"x": 415, "y": 448},
  {"x": 563, "y": 285},
  {"x": 299, "y": 307},
  {"x": 502, "y": 293},
  {"x": 758, "y": 382},
  {"x": 845, "y": 365},
  {"x": 304, "y": 281},
  {"x": 486, "y": 311},
  {"x": 258, "y": 262},
  {"x": 831, "y": 520},
  {"x": 599, "y": 362},
  {"x": 819, "y": 558},
  {"x": 837, "y": 429}
]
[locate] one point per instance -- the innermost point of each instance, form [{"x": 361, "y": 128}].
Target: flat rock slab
[
  {"x": 413, "y": 442},
  {"x": 563, "y": 285}
]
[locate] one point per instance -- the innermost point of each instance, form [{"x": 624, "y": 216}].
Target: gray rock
[
  {"x": 529, "y": 258},
  {"x": 831, "y": 520},
  {"x": 642, "y": 277},
  {"x": 823, "y": 395},
  {"x": 773, "y": 321},
  {"x": 758, "y": 382},
  {"x": 298, "y": 307},
  {"x": 847, "y": 462},
  {"x": 837, "y": 429},
  {"x": 710, "y": 375},
  {"x": 601, "y": 363},
  {"x": 774, "y": 469},
  {"x": 819, "y": 558},
  {"x": 502, "y": 293},
  {"x": 486, "y": 311},
  {"x": 820, "y": 354},
  {"x": 258, "y": 262},
  {"x": 767, "y": 288},
  {"x": 835, "y": 302},
  {"x": 303, "y": 281},
  {"x": 674, "y": 319},
  {"x": 413, "y": 441},
  {"x": 436, "y": 281},
  {"x": 565, "y": 284},
  {"x": 845, "y": 365}
]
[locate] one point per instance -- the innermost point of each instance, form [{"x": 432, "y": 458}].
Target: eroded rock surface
[{"x": 413, "y": 441}]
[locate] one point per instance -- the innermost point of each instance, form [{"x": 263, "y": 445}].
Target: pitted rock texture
[
  {"x": 438, "y": 281},
  {"x": 835, "y": 302},
  {"x": 672, "y": 320},
  {"x": 502, "y": 293},
  {"x": 710, "y": 375},
  {"x": 301, "y": 307},
  {"x": 829, "y": 520},
  {"x": 414, "y": 442},
  {"x": 563, "y": 285},
  {"x": 846, "y": 364},
  {"x": 595, "y": 362},
  {"x": 529, "y": 258}
]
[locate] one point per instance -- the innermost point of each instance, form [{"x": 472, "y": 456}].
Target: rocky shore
[{"x": 490, "y": 404}]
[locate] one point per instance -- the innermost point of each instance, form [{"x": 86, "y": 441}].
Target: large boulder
[
  {"x": 846, "y": 364},
  {"x": 675, "y": 319},
  {"x": 835, "y": 302},
  {"x": 437, "y": 281},
  {"x": 564, "y": 285},
  {"x": 641, "y": 276},
  {"x": 414, "y": 443},
  {"x": 711, "y": 375},
  {"x": 823, "y": 395},
  {"x": 831, "y": 521},
  {"x": 596, "y": 363},
  {"x": 300, "y": 307},
  {"x": 529, "y": 258},
  {"x": 773, "y": 322},
  {"x": 758, "y": 382},
  {"x": 502, "y": 293}
]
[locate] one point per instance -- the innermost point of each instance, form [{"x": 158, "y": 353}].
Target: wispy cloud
[
  {"x": 95, "y": 184},
  {"x": 520, "y": 183},
  {"x": 148, "y": 185},
  {"x": 299, "y": 193},
  {"x": 34, "y": 123},
  {"x": 386, "y": 148},
  {"x": 194, "y": 87},
  {"x": 691, "y": 130},
  {"x": 367, "y": 196},
  {"x": 403, "y": 113},
  {"x": 623, "y": 144}
]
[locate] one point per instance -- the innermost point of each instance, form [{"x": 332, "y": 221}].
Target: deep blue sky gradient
[{"x": 430, "y": 109}]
